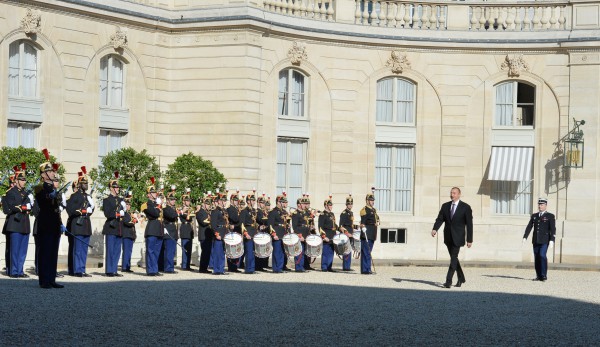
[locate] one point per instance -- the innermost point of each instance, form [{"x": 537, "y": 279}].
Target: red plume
[
  {"x": 152, "y": 180},
  {"x": 46, "y": 154},
  {"x": 55, "y": 166},
  {"x": 15, "y": 168},
  {"x": 83, "y": 169},
  {"x": 80, "y": 173},
  {"x": 284, "y": 193},
  {"x": 23, "y": 166},
  {"x": 116, "y": 174}
]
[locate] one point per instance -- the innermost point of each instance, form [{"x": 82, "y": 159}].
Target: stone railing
[
  {"x": 314, "y": 9},
  {"x": 529, "y": 16},
  {"x": 401, "y": 14}
]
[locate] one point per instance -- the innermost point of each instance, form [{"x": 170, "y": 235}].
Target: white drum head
[
  {"x": 291, "y": 239},
  {"x": 340, "y": 239},
  {"x": 314, "y": 240},
  {"x": 232, "y": 238},
  {"x": 262, "y": 238}
]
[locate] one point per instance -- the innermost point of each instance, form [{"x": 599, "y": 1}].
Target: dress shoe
[
  {"x": 204, "y": 271},
  {"x": 300, "y": 270},
  {"x": 543, "y": 279},
  {"x": 109, "y": 274},
  {"x": 56, "y": 285},
  {"x": 459, "y": 283},
  {"x": 219, "y": 273},
  {"x": 236, "y": 270},
  {"x": 59, "y": 275},
  {"x": 154, "y": 274},
  {"x": 85, "y": 274},
  {"x": 367, "y": 273},
  {"x": 45, "y": 286},
  {"x": 171, "y": 272},
  {"x": 13, "y": 276},
  {"x": 261, "y": 270},
  {"x": 310, "y": 268},
  {"x": 116, "y": 274},
  {"x": 24, "y": 276},
  {"x": 277, "y": 272},
  {"x": 287, "y": 269},
  {"x": 537, "y": 279},
  {"x": 78, "y": 274},
  {"x": 250, "y": 273},
  {"x": 128, "y": 270},
  {"x": 347, "y": 270},
  {"x": 447, "y": 285}
]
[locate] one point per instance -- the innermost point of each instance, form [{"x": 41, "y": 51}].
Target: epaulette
[
  {"x": 363, "y": 211},
  {"x": 144, "y": 206}
]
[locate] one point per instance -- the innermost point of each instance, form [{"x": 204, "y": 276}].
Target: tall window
[
  {"x": 394, "y": 173},
  {"x": 515, "y": 104},
  {"x": 108, "y": 141},
  {"x": 510, "y": 197},
  {"x": 395, "y": 101},
  {"x": 22, "y": 134},
  {"x": 22, "y": 69},
  {"x": 292, "y": 90},
  {"x": 291, "y": 167},
  {"x": 111, "y": 82}
]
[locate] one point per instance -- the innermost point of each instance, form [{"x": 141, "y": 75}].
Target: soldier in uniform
[
  {"x": 369, "y": 221},
  {"x": 309, "y": 217},
  {"x": 70, "y": 239},
  {"x": 300, "y": 226},
  {"x": 186, "y": 230},
  {"x": 249, "y": 228},
  {"x": 277, "y": 225},
  {"x": 327, "y": 228},
  {"x": 80, "y": 207},
  {"x": 128, "y": 233},
  {"x": 49, "y": 224},
  {"x": 6, "y": 210},
  {"x": 154, "y": 229},
  {"x": 262, "y": 220},
  {"x": 233, "y": 213},
  {"x": 205, "y": 233},
  {"x": 114, "y": 209},
  {"x": 18, "y": 202},
  {"x": 543, "y": 224},
  {"x": 170, "y": 218},
  {"x": 347, "y": 226},
  {"x": 219, "y": 224}
]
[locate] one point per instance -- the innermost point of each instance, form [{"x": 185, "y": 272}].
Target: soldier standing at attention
[
  {"x": 262, "y": 219},
  {"x": 369, "y": 221},
  {"x": 128, "y": 233},
  {"x": 114, "y": 210},
  {"x": 80, "y": 207},
  {"x": 346, "y": 225},
  {"x": 277, "y": 222},
  {"x": 543, "y": 224},
  {"x": 219, "y": 224},
  {"x": 170, "y": 217},
  {"x": 154, "y": 229},
  {"x": 249, "y": 228},
  {"x": 186, "y": 230},
  {"x": 205, "y": 233},
  {"x": 233, "y": 213},
  {"x": 327, "y": 228}
]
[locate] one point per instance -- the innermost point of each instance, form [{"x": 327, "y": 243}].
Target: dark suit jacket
[{"x": 454, "y": 228}]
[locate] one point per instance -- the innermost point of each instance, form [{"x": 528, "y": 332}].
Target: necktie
[{"x": 452, "y": 211}]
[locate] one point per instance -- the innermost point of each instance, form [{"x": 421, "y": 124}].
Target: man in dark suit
[
  {"x": 456, "y": 216},
  {"x": 543, "y": 224}
]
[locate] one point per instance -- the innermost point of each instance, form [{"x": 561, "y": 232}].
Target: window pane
[
  {"x": 29, "y": 71},
  {"x": 282, "y": 106},
  {"x": 297, "y": 94},
  {"x": 13, "y": 69},
  {"x": 116, "y": 75},
  {"x": 383, "y": 172},
  {"x": 115, "y": 141},
  {"x": 102, "y": 144},
  {"x": 384, "y": 111},
  {"x": 104, "y": 81},
  {"x": 290, "y": 167},
  {"x": 404, "y": 179},
  {"x": 504, "y": 104},
  {"x": 405, "y": 101},
  {"x": 12, "y": 135},
  {"x": 510, "y": 197},
  {"x": 28, "y": 135}
]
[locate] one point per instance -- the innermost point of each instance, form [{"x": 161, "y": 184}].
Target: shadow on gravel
[
  {"x": 508, "y": 277},
  {"x": 431, "y": 283},
  {"x": 225, "y": 311}
]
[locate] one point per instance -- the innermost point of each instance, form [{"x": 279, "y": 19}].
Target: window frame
[
  {"x": 288, "y": 164},
  {"x": 20, "y": 94},
  {"x": 393, "y": 189},
  {"x": 109, "y": 82},
  {"x": 110, "y": 134},
  {"x": 19, "y": 125},
  {"x": 395, "y": 122},
  {"x": 515, "y": 106},
  {"x": 288, "y": 99},
  {"x": 512, "y": 203}
]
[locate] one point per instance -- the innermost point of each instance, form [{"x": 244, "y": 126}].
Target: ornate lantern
[{"x": 574, "y": 146}]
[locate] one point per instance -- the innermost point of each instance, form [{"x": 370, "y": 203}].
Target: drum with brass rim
[
  {"x": 263, "y": 245},
  {"x": 292, "y": 245},
  {"x": 314, "y": 246},
  {"x": 234, "y": 246}
]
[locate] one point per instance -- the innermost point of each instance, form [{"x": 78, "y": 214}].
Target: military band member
[
  {"x": 262, "y": 219},
  {"x": 249, "y": 229},
  {"x": 6, "y": 210},
  {"x": 186, "y": 230},
  {"x": 543, "y": 224},
  {"x": 219, "y": 224},
  {"x": 80, "y": 207},
  {"x": 369, "y": 221},
  {"x": 50, "y": 225},
  {"x": 205, "y": 233},
  {"x": 309, "y": 217},
  {"x": 154, "y": 229},
  {"x": 300, "y": 226},
  {"x": 346, "y": 225},
  {"x": 128, "y": 233},
  {"x": 18, "y": 202},
  {"x": 114, "y": 209},
  {"x": 70, "y": 239},
  {"x": 170, "y": 218},
  {"x": 277, "y": 225},
  {"x": 327, "y": 228},
  {"x": 233, "y": 213}
]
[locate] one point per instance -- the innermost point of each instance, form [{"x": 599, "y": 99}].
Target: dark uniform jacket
[
  {"x": 544, "y": 228},
  {"x": 35, "y": 211},
  {"x": 128, "y": 227},
  {"x": 49, "y": 220},
  {"x": 186, "y": 230},
  {"x": 300, "y": 223},
  {"x": 154, "y": 227},
  {"x": 79, "y": 220},
  {"x": 17, "y": 220},
  {"x": 327, "y": 224},
  {"x": 347, "y": 220},
  {"x": 204, "y": 230},
  {"x": 248, "y": 219},
  {"x": 218, "y": 221},
  {"x": 113, "y": 225},
  {"x": 277, "y": 221},
  {"x": 234, "y": 219},
  {"x": 262, "y": 219},
  {"x": 454, "y": 227},
  {"x": 170, "y": 221},
  {"x": 369, "y": 218}
]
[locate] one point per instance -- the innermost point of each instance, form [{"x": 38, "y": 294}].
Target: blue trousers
[
  {"x": 80, "y": 253},
  {"x": 18, "y": 253},
  {"x": 299, "y": 259},
  {"x": 205, "y": 248},
  {"x": 48, "y": 255},
  {"x": 278, "y": 256},
  {"x": 233, "y": 264},
  {"x": 327, "y": 256},
  {"x": 170, "y": 248},
  {"x": 366, "y": 247},
  {"x": 347, "y": 261},
  {"x": 113, "y": 253},
  {"x": 541, "y": 261},
  {"x": 153, "y": 245},
  {"x": 249, "y": 250},
  {"x": 127, "y": 250},
  {"x": 217, "y": 257},
  {"x": 186, "y": 253}
]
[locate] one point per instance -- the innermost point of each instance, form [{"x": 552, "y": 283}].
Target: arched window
[
  {"x": 112, "y": 82},
  {"x": 395, "y": 101},
  {"x": 515, "y": 104},
  {"x": 292, "y": 94},
  {"x": 22, "y": 69}
]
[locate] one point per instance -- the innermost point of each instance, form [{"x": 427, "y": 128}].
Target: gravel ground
[{"x": 396, "y": 306}]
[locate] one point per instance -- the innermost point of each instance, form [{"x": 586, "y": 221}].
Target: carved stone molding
[
  {"x": 32, "y": 22},
  {"x": 119, "y": 39},
  {"x": 398, "y": 62},
  {"x": 514, "y": 65},
  {"x": 297, "y": 53}
]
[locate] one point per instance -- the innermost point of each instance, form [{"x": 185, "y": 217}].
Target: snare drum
[
  {"x": 341, "y": 244},
  {"x": 234, "y": 246},
  {"x": 292, "y": 245},
  {"x": 314, "y": 246},
  {"x": 263, "y": 246},
  {"x": 356, "y": 241}
]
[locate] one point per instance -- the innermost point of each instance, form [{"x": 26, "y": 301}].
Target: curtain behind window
[
  {"x": 13, "y": 69},
  {"x": 12, "y": 135},
  {"x": 104, "y": 81},
  {"x": 28, "y": 135},
  {"x": 282, "y": 106},
  {"x": 296, "y": 174},
  {"x": 384, "y": 111},
  {"x": 405, "y": 96},
  {"x": 116, "y": 83},
  {"x": 404, "y": 178},
  {"x": 297, "y": 94},
  {"x": 383, "y": 177},
  {"x": 504, "y": 103},
  {"x": 30, "y": 71}
]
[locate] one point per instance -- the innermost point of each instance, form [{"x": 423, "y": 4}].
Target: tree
[
  {"x": 191, "y": 171},
  {"x": 135, "y": 169},
  {"x": 33, "y": 158}
]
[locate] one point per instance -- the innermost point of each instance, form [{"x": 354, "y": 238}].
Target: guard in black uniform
[
  {"x": 233, "y": 213},
  {"x": 543, "y": 224},
  {"x": 249, "y": 228},
  {"x": 278, "y": 220},
  {"x": 6, "y": 210},
  {"x": 114, "y": 210},
  {"x": 80, "y": 207},
  {"x": 369, "y": 222},
  {"x": 205, "y": 233},
  {"x": 70, "y": 239},
  {"x": 327, "y": 229},
  {"x": 154, "y": 229},
  {"x": 262, "y": 220},
  {"x": 220, "y": 225},
  {"x": 128, "y": 233},
  {"x": 300, "y": 227},
  {"x": 186, "y": 230},
  {"x": 347, "y": 226},
  {"x": 170, "y": 220}
]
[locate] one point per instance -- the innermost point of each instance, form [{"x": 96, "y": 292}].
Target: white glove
[
  {"x": 524, "y": 240},
  {"x": 28, "y": 206},
  {"x": 123, "y": 206},
  {"x": 364, "y": 229},
  {"x": 551, "y": 244},
  {"x": 30, "y": 196},
  {"x": 90, "y": 210},
  {"x": 64, "y": 200},
  {"x": 158, "y": 201},
  {"x": 90, "y": 202},
  {"x": 121, "y": 213}
]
